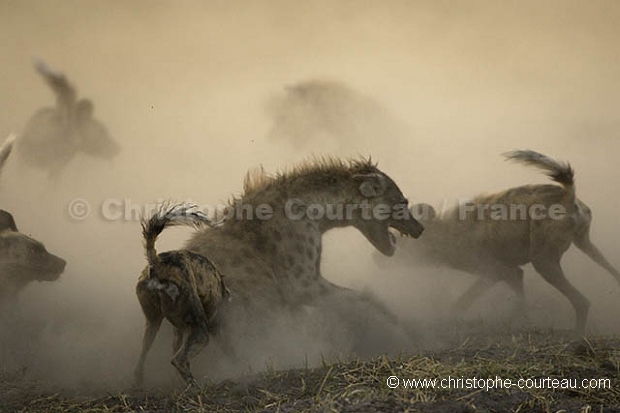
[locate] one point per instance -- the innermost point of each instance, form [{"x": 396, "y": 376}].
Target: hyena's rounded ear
[
  {"x": 371, "y": 185},
  {"x": 423, "y": 212}
]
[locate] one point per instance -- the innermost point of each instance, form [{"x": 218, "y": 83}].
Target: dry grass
[{"x": 360, "y": 386}]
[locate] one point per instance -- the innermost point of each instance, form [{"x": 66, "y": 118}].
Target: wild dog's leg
[
  {"x": 177, "y": 340},
  {"x": 195, "y": 339},
  {"x": 482, "y": 285},
  {"x": 551, "y": 271},
  {"x": 150, "y": 332},
  {"x": 152, "y": 313}
]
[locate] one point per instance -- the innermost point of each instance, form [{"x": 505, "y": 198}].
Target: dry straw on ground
[{"x": 360, "y": 386}]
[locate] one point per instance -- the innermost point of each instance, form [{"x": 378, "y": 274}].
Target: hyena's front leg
[{"x": 370, "y": 326}]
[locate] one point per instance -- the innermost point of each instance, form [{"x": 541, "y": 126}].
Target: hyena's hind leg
[
  {"x": 551, "y": 271},
  {"x": 154, "y": 317},
  {"x": 487, "y": 278},
  {"x": 477, "y": 289},
  {"x": 514, "y": 278},
  {"x": 584, "y": 244}
]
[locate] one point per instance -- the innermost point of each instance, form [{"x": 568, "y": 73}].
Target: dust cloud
[{"x": 193, "y": 91}]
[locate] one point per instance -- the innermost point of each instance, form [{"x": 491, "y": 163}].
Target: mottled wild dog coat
[
  {"x": 182, "y": 286},
  {"x": 496, "y": 249},
  {"x": 274, "y": 263}
]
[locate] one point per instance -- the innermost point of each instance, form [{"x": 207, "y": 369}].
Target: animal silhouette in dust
[
  {"x": 181, "y": 286},
  {"x": 330, "y": 112},
  {"x": 54, "y": 135},
  {"x": 494, "y": 235},
  {"x": 270, "y": 242}
]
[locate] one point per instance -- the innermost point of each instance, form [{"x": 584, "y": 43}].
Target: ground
[{"x": 360, "y": 386}]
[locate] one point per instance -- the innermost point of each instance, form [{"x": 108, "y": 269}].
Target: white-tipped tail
[{"x": 170, "y": 215}]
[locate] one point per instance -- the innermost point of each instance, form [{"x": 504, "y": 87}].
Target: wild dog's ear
[
  {"x": 372, "y": 184},
  {"x": 6, "y": 221}
]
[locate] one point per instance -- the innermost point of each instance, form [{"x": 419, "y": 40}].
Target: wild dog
[
  {"x": 181, "y": 286},
  {"x": 22, "y": 258},
  {"x": 55, "y": 135}
]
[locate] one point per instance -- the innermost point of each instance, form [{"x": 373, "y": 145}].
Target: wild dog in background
[
  {"x": 22, "y": 258},
  {"x": 54, "y": 135},
  {"x": 181, "y": 286}
]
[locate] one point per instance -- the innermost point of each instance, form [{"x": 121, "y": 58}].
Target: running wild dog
[
  {"x": 274, "y": 264},
  {"x": 181, "y": 286},
  {"x": 54, "y": 135},
  {"x": 22, "y": 258},
  {"x": 470, "y": 239}
]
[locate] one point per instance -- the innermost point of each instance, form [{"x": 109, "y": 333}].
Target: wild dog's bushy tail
[
  {"x": 170, "y": 215},
  {"x": 6, "y": 148},
  {"x": 560, "y": 172}
]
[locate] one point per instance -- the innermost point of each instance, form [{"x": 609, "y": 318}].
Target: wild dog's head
[{"x": 27, "y": 259}]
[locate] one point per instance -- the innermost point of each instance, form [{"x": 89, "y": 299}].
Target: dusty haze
[{"x": 187, "y": 89}]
